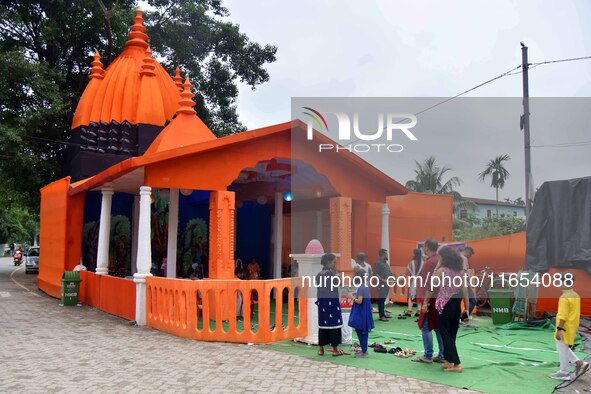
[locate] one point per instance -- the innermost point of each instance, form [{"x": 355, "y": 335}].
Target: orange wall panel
[
  {"x": 502, "y": 254},
  {"x": 416, "y": 217},
  {"x": 90, "y": 288},
  {"x": 548, "y": 296},
  {"x": 117, "y": 296},
  {"x": 75, "y": 222},
  {"x": 53, "y": 236}
]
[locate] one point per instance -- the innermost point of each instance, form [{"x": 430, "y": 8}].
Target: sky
[{"x": 429, "y": 49}]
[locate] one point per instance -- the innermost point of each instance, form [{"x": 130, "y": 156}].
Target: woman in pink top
[{"x": 448, "y": 303}]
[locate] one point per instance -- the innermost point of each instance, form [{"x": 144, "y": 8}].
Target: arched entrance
[{"x": 280, "y": 205}]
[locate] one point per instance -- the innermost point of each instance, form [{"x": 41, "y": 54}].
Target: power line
[
  {"x": 561, "y": 60},
  {"x": 469, "y": 90},
  {"x": 563, "y": 145}
]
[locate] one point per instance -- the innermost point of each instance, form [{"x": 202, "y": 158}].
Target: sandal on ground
[
  {"x": 417, "y": 314},
  {"x": 355, "y": 348},
  {"x": 382, "y": 319},
  {"x": 422, "y": 359},
  {"x": 321, "y": 352},
  {"x": 389, "y": 341},
  {"x": 380, "y": 349},
  {"x": 436, "y": 359},
  {"x": 373, "y": 344},
  {"x": 454, "y": 368},
  {"x": 340, "y": 352},
  {"x": 408, "y": 312},
  {"x": 446, "y": 365}
]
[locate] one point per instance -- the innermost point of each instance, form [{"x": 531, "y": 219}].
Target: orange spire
[
  {"x": 96, "y": 71},
  {"x": 148, "y": 64},
  {"x": 186, "y": 103},
  {"x": 178, "y": 80},
  {"x": 138, "y": 36}
]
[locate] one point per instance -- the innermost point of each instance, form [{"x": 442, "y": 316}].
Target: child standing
[
  {"x": 361, "y": 318},
  {"x": 567, "y": 324}
]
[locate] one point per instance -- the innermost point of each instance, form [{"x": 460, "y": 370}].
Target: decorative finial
[
  {"x": 178, "y": 80},
  {"x": 186, "y": 103},
  {"x": 137, "y": 35},
  {"x": 96, "y": 71},
  {"x": 148, "y": 64}
]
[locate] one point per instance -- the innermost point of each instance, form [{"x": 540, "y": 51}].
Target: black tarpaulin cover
[{"x": 559, "y": 226}]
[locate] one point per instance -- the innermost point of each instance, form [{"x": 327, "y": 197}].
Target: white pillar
[
  {"x": 385, "y": 244},
  {"x": 278, "y": 246},
  {"x": 135, "y": 217},
  {"x": 102, "y": 257},
  {"x": 173, "y": 228},
  {"x": 319, "y": 226},
  {"x": 144, "y": 256}
]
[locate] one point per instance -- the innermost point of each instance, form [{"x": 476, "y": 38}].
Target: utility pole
[{"x": 525, "y": 124}]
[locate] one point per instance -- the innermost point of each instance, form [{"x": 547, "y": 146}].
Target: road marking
[
  {"x": 18, "y": 284},
  {"x": 4, "y": 294}
]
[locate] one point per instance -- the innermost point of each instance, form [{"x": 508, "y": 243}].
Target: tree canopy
[
  {"x": 45, "y": 53},
  {"x": 430, "y": 178}
]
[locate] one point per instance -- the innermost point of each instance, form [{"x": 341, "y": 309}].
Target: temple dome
[
  {"x": 122, "y": 92},
  {"x": 185, "y": 129}
]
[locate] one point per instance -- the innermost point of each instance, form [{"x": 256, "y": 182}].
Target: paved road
[{"x": 48, "y": 348}]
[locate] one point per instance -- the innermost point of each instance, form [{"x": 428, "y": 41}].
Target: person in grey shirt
[{"x": 382, "y": 271}]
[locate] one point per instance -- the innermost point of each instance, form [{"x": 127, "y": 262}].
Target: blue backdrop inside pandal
[
  {"x": 193, "y": 231},
  {"x": 253, "y": 235},
  {"x": 120, "y": 239}
]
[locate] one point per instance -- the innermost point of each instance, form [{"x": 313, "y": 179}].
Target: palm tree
[
  {"x": 498, "y": 174},
  {"x": 429, "y": 179}
]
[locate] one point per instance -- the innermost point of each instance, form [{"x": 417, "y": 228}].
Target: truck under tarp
[{"x": 559, "y": 226}]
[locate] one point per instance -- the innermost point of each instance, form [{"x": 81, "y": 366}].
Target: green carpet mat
[{"x": 513, "y": 358}]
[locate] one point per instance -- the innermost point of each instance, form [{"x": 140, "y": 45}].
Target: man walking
[{"x": 382, "y": 271}]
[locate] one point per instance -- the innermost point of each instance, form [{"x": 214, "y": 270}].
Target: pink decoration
[{"x": 314, "y": 247}]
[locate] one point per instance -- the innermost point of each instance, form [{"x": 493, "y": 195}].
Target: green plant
[
  {"x": 491, "y": 227},
  {"x": 498, "y": 174}
]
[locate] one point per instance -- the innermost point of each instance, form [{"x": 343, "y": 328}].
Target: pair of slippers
[
  {"x": 339, "y": 352},
  {"x": 402, "y": 316},
  {"x": 404, "y": 353},
  {"x": 379, "y": 348}
]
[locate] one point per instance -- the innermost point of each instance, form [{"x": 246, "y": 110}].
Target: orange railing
[
  {"x": 108, "y": 293},
  {"x": 206, "y": 309}
]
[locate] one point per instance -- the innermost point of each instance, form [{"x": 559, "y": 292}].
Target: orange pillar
[
  {"x": 221, "y": 235},
  {"x": 340, "y": 231}
]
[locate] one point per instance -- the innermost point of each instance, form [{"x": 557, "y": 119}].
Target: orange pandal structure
[{"x": 189, "y": 309}]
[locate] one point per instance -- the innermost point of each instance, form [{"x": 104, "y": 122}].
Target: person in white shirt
[
  {"x": 361, "y": 263},
  {"x": 414, "y": 270}
]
